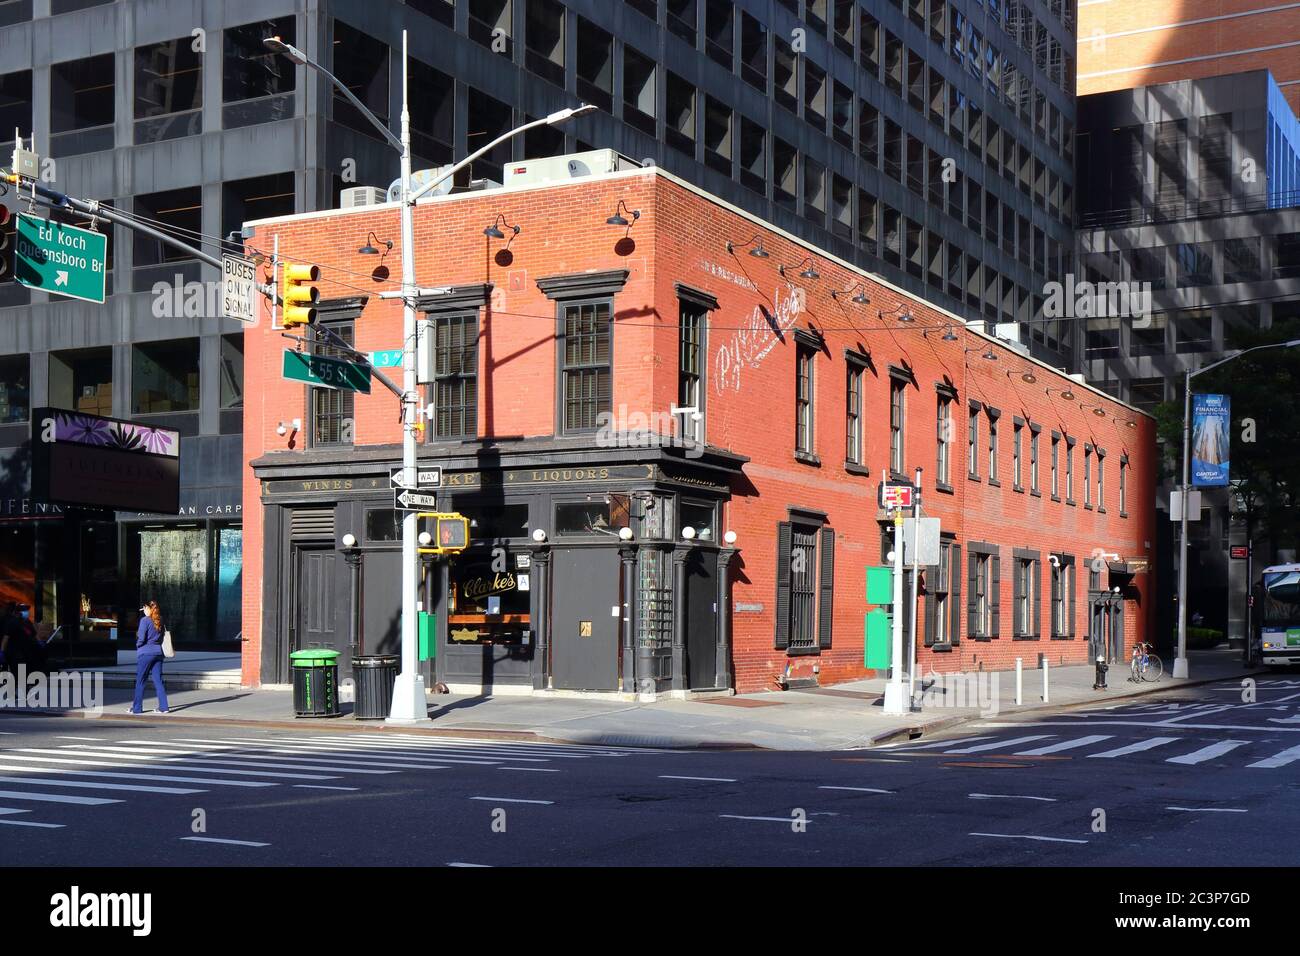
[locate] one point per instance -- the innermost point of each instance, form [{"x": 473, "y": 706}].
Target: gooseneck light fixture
[
  {"x": 808, "y": 273},
  {"x": 1096, "y": 409},
  {"x": 369, "y": 248},
  {"x": 620, "y": 220},
  {"x": 1065, "y": 393},
  {"x": 988, "y": 354},
  {"x": 758, "y": 252},
  {"x": 493, "y": 232},
  {"x": 1027, "y": 376},
  {"x": 900, "y": 313},
  {"x": 859, "y": 297}
]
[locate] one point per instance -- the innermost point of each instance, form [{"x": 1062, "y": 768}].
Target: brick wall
[{"x": 681, "y": 237}]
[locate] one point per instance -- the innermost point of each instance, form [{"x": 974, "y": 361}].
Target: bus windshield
[{"x": 1281, "y": 596}]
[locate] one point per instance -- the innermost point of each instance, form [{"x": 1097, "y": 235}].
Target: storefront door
[
  {"x": 584, "y": 632},
  {"x": 317, "y": 621},
  {"x": 701, "y": 619}
]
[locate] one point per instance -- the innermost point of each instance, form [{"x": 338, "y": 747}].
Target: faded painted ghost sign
[{"x": 757, "y": 336}]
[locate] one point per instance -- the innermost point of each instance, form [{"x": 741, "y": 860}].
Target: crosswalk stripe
[
  {"x": 134, "y": 776},
  {"x": 999, "y": 744},
  {"x": 1064, "y": 745},
  {"x": 1137, "y": 747},
  {"x": 1209, "y": 752},
  {"x": 197, "y": 839},
  {"x": 81, "y": 784},
  {"x": 32, "y": 823},
  {"x": 323, "y": 754},
  {"x": 200, "y": 762},
  {"x": 942, "y": 743},
  {"x": 5, "y": 811},
  {"x": 56, "y": 798},
  {"x": 1280, "y": 759},
  {"x": 120, "y": 762},
  {"x": 529, "y": 744},
  {"x": 394, "y": 747}
]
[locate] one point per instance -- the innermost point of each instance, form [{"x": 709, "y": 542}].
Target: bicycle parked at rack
[{"x": 1144, "y": 665}]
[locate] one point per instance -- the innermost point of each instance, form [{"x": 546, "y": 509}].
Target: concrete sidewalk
[{"x": 846, "y": 716}]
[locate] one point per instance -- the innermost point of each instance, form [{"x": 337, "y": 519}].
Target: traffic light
[
  {"x": 451, "y": 532},
  {"x": 300, "y": 295}
]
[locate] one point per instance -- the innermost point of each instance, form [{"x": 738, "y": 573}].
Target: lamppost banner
[{"x": 1211, "y": 417}]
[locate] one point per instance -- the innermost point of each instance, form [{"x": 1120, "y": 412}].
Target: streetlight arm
[
  {"x": 297, "y": 56},
  {"x": 557, "y": 117},
  {"x": 1237, "y": 355}
]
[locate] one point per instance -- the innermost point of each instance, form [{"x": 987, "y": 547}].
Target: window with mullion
[
  {"x": 691, "y": 339},
  {"x": 586, "y": 370},
  {"x": 943, "y": 452},
  {"x": 853, "y": 415},
  {"x": 897, "y": 409},
  {"x": 456, "y": 376},
  {"x": 332, "y": 409},
  {"x": 803, "y": 439}
]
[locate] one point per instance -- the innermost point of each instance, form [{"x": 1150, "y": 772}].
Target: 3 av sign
[{"x": 63, "y": 260}]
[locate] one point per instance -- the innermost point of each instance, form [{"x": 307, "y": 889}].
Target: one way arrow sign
[
  {"x": 411, "y": 500},
  {"x": 60, "y": 278}
]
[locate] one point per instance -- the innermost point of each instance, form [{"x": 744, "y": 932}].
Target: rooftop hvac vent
[
  {"x": 553, "y": 168},
  {"x": 355, "y": 196}
]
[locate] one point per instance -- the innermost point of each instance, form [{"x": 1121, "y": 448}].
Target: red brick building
[{"x": 562, "y": 353}]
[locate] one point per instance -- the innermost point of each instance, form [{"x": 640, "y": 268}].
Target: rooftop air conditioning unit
[
  {"x": 553, "y": 168},
  {"x": 356, "y": 196}
]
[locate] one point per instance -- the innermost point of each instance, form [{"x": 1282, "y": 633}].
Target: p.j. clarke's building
[{"x": 667, "y": 421}]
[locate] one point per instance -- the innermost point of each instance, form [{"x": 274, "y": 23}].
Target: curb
[{"x": 945, "y": 723}]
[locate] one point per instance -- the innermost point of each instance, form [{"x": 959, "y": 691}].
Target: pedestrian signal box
[{"x": 450, "y": 533}]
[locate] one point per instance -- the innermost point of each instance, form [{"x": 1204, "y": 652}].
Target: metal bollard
[
  {"x": 1046, "y": 670},
  {"x": 1020, "y": 677}
]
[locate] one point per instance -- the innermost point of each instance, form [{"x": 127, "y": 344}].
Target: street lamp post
[
  {"x": 1180, "y": 661},
  {"x": 409, "y": 703}
]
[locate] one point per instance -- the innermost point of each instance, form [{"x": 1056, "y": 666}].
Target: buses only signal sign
[{"x": 894, "y": 496}]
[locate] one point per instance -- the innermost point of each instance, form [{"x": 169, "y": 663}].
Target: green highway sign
[
  {"x": 326, "y": 372},
  {"x": 63, "y": 260}
]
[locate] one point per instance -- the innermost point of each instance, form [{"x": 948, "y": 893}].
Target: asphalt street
[{"x": 1197, "y": 777}]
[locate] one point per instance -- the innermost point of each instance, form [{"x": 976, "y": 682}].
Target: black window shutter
[
  {"x": 954, "y": 594},
  {"x": 1017, "y": 625},
  {"x": 1036, "y": 624},
  {"x": 972, "y": 599},
  {"x": 933, "y": 574},
  {"x": 826, "y": 607},
  {"x": 784, "y": 541},
  {"x": 1070, "y": 627},
  {"x": 995, "y": 596}
]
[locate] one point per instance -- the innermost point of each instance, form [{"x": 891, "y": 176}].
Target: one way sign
[{"x": 413, "y": 501}]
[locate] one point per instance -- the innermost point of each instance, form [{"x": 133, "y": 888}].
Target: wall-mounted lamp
[
  {"x": 539, "y": 535},
  {"x": 758, "y": 252},
  {"x": 688, "y": 533},
  {"x": 295, "y": 425},
  {"x": 809, "y": 273},
  {"x": 1065, "y": 393},
  {"x": 901, "y": 313},
  {"x": 859, "y": 297},
  {"x": 1027, "y": 376},
  {"x": 370, "y": 250},
  {"x": 729, "y": 537},
  {"x": 1126, "y": 421},
  {"x": 988, "y": 354},
  {"x": 619, "y": 220},
  {"x": 349, "y": 540},
  {"x": 1096, "y": 409},
  {"x": 493, "y": 232},
  {"x": 948, "y": 334},
  {"x": 625, "y": 534}
]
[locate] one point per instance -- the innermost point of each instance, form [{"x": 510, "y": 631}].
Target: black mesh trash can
[
  {"x": 375, "y": 676},
  {"x": 315, "y": 683}
]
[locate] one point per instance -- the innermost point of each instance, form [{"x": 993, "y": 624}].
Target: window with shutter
[
  {"x": 826, "y": 604},
  {"x": 955, "y": 597},
  {"x": 784, "y": 542},
  {"x": 995, "y": 596}
]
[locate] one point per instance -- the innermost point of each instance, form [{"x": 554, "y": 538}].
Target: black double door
[{"x": 320, "y": 601}]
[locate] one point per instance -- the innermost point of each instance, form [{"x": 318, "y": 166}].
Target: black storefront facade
[{"x": 578, "y": 577}]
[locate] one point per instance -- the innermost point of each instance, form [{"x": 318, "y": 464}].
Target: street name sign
[
  {"x": 239, "y": 289},
  {"x": 413, "y": 501},
  {"x": 62, "y": 260},
  {"x": 326, "y": 372},
  {"x": 386, "y": 358}
]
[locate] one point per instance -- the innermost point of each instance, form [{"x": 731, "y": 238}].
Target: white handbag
[{"x": 168, "y": 649}]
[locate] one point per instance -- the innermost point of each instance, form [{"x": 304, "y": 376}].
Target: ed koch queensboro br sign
[{"x": 63, "y": 260}]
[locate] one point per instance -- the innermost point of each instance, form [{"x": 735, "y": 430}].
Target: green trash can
[{"x": 315, "y": 682}]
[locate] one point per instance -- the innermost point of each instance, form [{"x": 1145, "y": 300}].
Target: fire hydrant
[{"x": 1102, "y": 667}]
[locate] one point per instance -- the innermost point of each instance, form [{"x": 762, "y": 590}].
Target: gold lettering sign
[
  {"x": 483, "y": 586},
  {"x": 464, "y": 634},
  {"x": 584, "y": 629}
]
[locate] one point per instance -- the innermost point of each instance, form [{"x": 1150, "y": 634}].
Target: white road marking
[
  {"x": 277, "y": 763},
  {"x": 857, "y": 789},
  {"x": 1209, "y": 752},
  {"x": 4, "y": 811},
  {"x": 546, "y": 803},
  {"x": 1136, "y": 747},
  {"x": 81, "y": 784},
  {"x": 532, "y": 769},
  {"x": 120, "y": 762},
  {"x": 1207, "y": 809},
  {"x": 732, "y": 816},
  {"x": 195, "y": 839},
  {"x": 1008, "y": 796},
  {"x": 1027, "y": 836},
  {"x": 78, "y": 738},
  {"x": 57, "y": 798},
  {"x": 29, "y": 823},
  {"x": 477, "y": 866},
  {"x": 942, "y": 743},
  {"x": 1281, "y": 759},
  {"x": 318, "y": 786},
  {"x": 129, "y": 776},
  {"x": 1000, "y": 744},
  {"x": 1153, "y": 724},
  {"x": 1064, "y": 745},
  {"x": 670, "y": 776}
]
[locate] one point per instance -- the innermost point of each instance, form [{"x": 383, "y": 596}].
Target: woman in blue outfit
[{"x": 149, "y": 657}]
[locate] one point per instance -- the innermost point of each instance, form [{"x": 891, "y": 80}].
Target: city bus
[{"x": 1277, "y": 605}]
